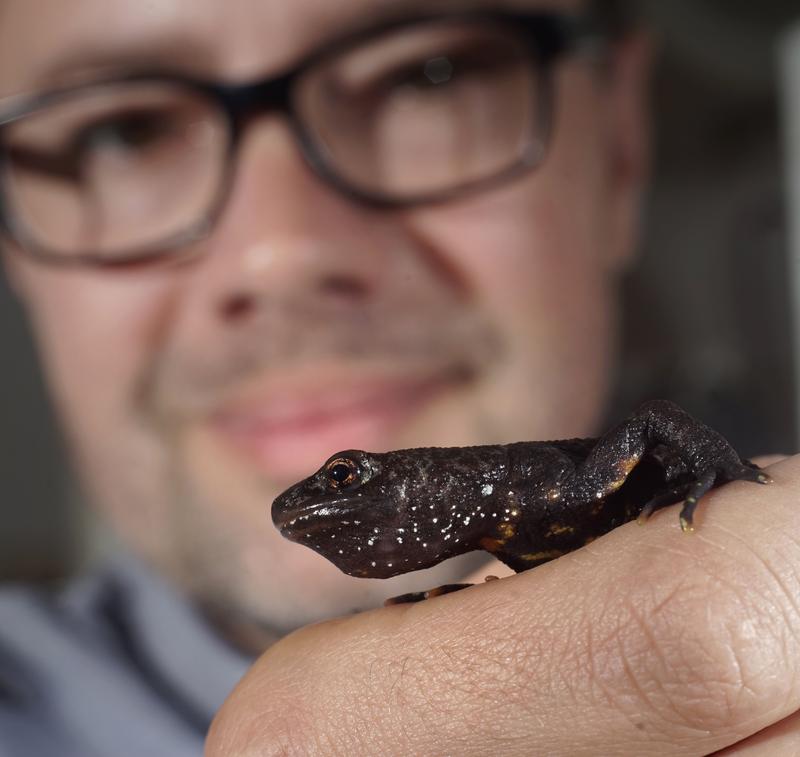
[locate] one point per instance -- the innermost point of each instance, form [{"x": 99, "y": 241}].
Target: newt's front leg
[
  {"x": 420, "y": 596},
  {"x": 708, "y": 458}
]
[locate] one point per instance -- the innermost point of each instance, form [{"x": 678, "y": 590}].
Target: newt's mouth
[{"x": 298, "y": 522}]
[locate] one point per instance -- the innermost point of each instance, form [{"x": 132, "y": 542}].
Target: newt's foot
[
  {"x": 693, "y": 491},
  {"x": 660, "y": 501},
  {"x": 747, "y": 471},
  {"x": 419, "y": 596}
]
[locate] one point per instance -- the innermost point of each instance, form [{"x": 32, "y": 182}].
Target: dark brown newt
[{"x": 378, "y": 515}]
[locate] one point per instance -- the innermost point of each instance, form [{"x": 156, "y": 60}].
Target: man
[{"x": 250, "y": 234}]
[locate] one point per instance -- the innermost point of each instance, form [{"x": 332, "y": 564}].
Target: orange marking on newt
[
  {"x": 557, "y": 529},
  {"x": 624, "y": 468},
  {"x": 548, "y": 554},
  {"x": 490, "y": 544},
  {"x": 506, "y": 530}
]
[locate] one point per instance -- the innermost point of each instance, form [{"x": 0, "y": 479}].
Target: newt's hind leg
[{"x": 709, "y": 459}]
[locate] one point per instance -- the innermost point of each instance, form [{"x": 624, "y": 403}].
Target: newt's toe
[{"x": 751, "y": 472}]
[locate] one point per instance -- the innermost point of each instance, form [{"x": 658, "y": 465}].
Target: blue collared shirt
[{"x": 116, "y": 665}]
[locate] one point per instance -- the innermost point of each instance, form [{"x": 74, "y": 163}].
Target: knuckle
[
  {"x": 229, "y": 736},
  {"x": 710, "y": 649}
]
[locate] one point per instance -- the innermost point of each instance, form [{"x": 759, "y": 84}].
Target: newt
[{"x": 376, "y": 515}]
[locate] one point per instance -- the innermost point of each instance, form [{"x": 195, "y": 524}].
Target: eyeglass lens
[
  {"x": 416, "y": 111},
  {"x": 425, "y": 110},
  {"x": 115, "y": 167}
]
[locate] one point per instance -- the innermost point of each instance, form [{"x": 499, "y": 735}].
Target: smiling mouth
[{"x": 288, "y": 432}]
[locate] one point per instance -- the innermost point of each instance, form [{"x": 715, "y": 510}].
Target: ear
[{"x": 628, "y": 137}]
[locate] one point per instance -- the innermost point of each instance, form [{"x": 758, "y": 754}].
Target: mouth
[
  {"x": 288, "y": 431},
  {"x": 308, "y": 519}
]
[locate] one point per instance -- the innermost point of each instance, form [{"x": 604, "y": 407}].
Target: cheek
[
  {"x": 535, "y": 250},
  {"x": 532, "y": 259},
  {"x": 97, "y": 334},
  {"x": 528, "y": 258}
]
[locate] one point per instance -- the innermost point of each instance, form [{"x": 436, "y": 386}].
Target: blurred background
[
  {"x": 708, "y": 308},
  {"x": 708, "y": 317}
]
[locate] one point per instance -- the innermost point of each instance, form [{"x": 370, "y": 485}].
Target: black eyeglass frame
[{"x": 547, "y": 35}]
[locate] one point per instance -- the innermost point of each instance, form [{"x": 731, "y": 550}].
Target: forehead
[{"x": 46, "y": 42}]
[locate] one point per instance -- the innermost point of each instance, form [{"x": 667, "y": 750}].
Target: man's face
[{"x": 191, "y": 395}]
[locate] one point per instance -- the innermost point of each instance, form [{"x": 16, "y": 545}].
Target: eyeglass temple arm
[
  {"x": 557, "y": 34},
  {"x": 66, "y": 167}
]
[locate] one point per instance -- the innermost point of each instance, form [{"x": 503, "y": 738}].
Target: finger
[
  {"x": 648, "y": 641},
  {"x": 763, "y": 461},
  {"x": 779, "y": 740},
  {"x": 491, "y": 568}
]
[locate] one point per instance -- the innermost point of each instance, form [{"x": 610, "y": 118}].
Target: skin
[
  {"x": 140, "y": 363},
  {"x": 506, "y": 300},
  {"x": 648, "y": 641}
]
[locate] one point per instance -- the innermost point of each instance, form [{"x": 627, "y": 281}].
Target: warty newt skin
[{"x": 379, "y": 515}]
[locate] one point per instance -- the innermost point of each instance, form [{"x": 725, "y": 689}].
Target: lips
[
  {"x": 290, "y": 431},
  {"x": 313, "y": 517}
]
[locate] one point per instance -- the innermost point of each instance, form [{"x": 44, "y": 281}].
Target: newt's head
[{"x": 377, "y": 515}]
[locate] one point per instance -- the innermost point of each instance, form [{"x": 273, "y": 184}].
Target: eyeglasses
[{"x": 416, "y": 111}]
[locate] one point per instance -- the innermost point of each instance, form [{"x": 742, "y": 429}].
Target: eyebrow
[
  {"x": 182, "y": 52},
  {"x": 79, "y": 62}
]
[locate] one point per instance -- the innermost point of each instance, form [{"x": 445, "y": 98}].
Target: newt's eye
[{"x": 342, "y": 472}]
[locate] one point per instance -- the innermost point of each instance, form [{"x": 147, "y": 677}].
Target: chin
[{"x": 308, "y": 588}]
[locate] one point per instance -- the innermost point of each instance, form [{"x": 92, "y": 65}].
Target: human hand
[{"x": 648, "y": 641}]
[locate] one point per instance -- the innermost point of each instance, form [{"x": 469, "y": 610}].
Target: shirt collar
[{"x": 173, "y": 639}]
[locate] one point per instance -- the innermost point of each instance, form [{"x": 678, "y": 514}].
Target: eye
[
  {"x": 342, "y": 472},
  {"x": 125, "y": 129}
]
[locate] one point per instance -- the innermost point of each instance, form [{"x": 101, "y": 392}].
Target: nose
[{"x": 287, "y": 239}]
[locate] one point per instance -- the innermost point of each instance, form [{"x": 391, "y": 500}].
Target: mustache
[{"x": 292, "y": 338}]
